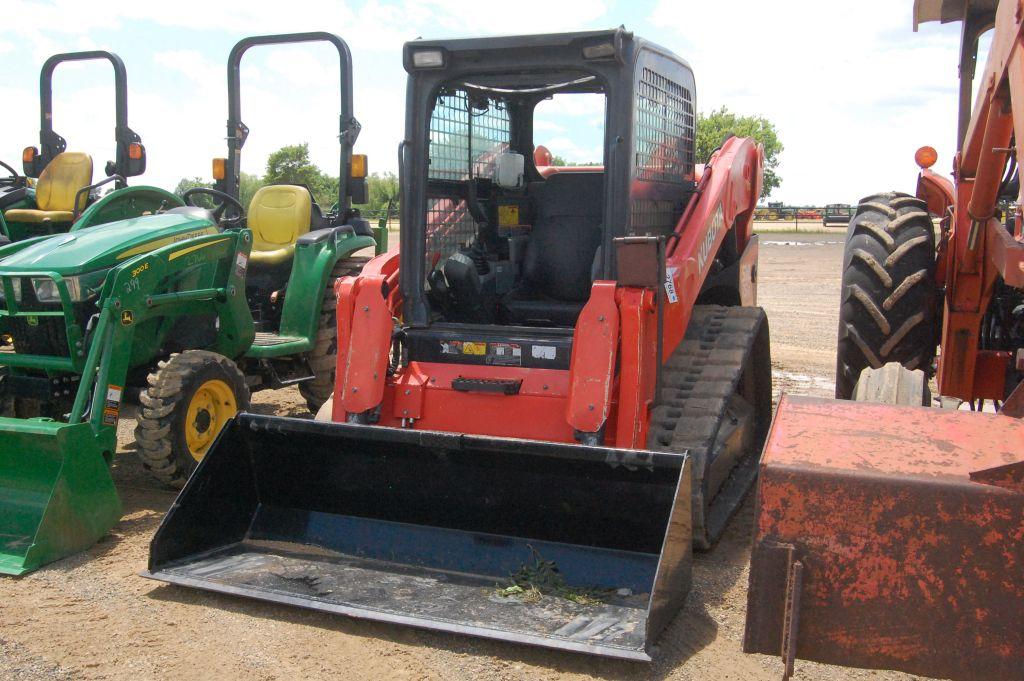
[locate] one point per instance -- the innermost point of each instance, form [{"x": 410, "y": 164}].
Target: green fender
[{"x": 311, "y": 268}]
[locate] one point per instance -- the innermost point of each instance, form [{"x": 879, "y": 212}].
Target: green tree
[
  {"x": 186, "y": 183},
  {"x": 291, "y": 165},
  {"x": 382, "y": 188},
  {"x": 247, "y": 186},
  {"x": 714, "y": 127},
  {"x": 560, "y": 161}
]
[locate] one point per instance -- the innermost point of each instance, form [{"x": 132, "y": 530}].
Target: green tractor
[
  {"x": 188, "y": 309},
  {"x": 61, "y": 195}
]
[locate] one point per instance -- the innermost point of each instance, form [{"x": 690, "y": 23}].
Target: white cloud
[
  {"x": 573, "y": 152},
  {"x": 852, "y": 90},
  {"x": 547, "y": 126}
]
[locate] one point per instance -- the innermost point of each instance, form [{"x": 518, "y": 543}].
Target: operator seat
[
  {"x": 558, "y": 263},
  {"x": 61, "y": 180},
  {"x": 278, "y": 216}
]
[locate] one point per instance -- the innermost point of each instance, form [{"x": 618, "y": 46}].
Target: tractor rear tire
[
  {"x": 188, "y": 400},
  {"x": 887, "y": 305},
  {"x": 324, "y": 356}
]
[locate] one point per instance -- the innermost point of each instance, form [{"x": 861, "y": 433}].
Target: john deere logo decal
[
  {"x": 127, "y": 318},
  {"x": 32, "y": 321}
]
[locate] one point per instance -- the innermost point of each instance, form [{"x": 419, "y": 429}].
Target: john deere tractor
[
  {"x": 189, "y": 309},
  {"x": 61, "y": 196}
]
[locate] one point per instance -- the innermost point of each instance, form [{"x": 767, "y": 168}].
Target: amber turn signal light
[
  {"x": 29, "y": 154},
  {"x": 358, "y": 166},
  {"x": 926, "y": 157},
  {"x": 219, "y": 168}
]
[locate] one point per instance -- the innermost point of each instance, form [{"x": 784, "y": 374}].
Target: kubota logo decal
[{"x": 706, "y": 246}]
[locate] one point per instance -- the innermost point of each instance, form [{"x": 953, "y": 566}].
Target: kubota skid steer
[
  {"x": 891, "y": 535},
  {"x": 559, "y": 381}
]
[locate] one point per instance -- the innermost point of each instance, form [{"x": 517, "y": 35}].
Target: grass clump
[{"x": 542, "y": 578}]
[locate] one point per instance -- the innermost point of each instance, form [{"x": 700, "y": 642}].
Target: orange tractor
[
  {"x": 889, "y": 534},
  {"x": 560, "y": 380}
]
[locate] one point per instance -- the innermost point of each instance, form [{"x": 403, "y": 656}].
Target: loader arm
[
  {"x": 723, "y": 206},
  {"x": 56, "y": 493},
  {"x": 979, "y": 252}
]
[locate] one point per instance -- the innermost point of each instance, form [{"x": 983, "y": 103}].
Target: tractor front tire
[
  {"x": 324, "y": 356},
  {"x": 189, "y": 399},
  {"x": 887, "y": 305}
]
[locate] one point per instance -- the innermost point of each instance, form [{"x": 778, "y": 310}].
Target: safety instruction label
[
  {"x": 504, "y": 354},
  {"x": 457, "y": 347},
  {"x": 498, "y": 354},
  {"x": 241, "y": 264},
  {"x": 112, "y": 405},
  {"x": 544, "y": 351}
]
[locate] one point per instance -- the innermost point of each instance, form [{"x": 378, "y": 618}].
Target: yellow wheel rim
[{"x": 212, "y": 404}]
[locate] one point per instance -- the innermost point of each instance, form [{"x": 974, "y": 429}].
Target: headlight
[
  {"x": 80, "y": 288},
  {"x": 47, "y": 291}
]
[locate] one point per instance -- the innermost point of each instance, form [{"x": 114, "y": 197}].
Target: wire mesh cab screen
[
  {"x": 467, "y": 134},
  {"x": 663, "y": 147}
]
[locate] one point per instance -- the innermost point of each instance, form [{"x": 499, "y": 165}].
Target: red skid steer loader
[
  {"x": 561, "y": 375},
  {"x": 889, "y": 534}
]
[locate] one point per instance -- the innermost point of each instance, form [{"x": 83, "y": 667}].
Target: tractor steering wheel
[
  {"x": 227, "y": 209},
  {"x": 14, "y": 180}
]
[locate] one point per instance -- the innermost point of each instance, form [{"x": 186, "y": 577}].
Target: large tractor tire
[
  {"x": 324, "y": 356},
  {"x": 887, "y": 306},
  {"x": 189, "y": 399}
]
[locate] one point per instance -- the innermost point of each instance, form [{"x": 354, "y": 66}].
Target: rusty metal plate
[{"x": 909, "y": 563}]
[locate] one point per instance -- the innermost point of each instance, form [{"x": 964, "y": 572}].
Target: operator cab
[
  {"x": 495, "y": 231},
  {"x": 504, "y": 244}
]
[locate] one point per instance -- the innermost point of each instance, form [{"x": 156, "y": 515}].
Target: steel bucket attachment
[
  {"x": 424, "y": 528},
  {"x": 56, "y": 494},
  {"x": 889, "y": 537}
]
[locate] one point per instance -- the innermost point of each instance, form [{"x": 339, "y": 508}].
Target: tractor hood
[{"x": 106, "y": 245}]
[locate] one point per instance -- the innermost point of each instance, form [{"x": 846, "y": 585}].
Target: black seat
[{"x": 559, "y": 259}]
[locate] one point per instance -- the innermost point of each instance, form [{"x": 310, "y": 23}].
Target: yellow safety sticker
[
  {"x": 508, "y": 216},
  {"x": 470, "y": 348}
]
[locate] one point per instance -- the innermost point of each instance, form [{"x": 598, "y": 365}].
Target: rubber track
[{"x": 698, "y": 381}]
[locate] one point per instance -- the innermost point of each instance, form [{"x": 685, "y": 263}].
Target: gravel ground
[{"x": 91, "y": 617}]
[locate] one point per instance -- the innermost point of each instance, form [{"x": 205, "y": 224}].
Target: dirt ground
[{"x": 92, "y": 617}]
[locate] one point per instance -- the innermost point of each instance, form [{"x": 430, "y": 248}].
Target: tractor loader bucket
[
  {"x": 424, "y": 528},
  {"x": 890, "y": 537},
  {"x": 56, "y": 494}
]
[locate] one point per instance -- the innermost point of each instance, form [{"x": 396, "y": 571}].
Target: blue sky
[{"x": 851, "y": 88}]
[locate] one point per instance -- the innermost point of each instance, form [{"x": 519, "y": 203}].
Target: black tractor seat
[{"x": 557, "y": 268}]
